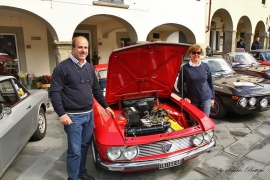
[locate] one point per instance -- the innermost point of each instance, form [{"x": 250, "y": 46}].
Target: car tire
[
  {"x": 41, "y": 126},
  {"x": 218, "y": 111},
  {"x": 95, "y": 154}
]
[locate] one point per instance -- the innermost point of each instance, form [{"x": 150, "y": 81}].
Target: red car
[
  {"x": 154, "y": 128},
  {"x": 262, "y": 56}
]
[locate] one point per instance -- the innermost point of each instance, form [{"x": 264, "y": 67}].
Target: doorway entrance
[{"x": 9, "y": 60}]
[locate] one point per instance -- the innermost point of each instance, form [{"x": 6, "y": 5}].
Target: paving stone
[
  {"x": 191, "y": 164},
  {"x": 239, "y": 131},
  {"x": 260, "y": 151},
  {"x": 61, "y": 142},
  {"x": 264, "y": 129},
  {"x": 265, "y": 173},
  {"x": 213, "y": 152},
  {"x": 253, "y": 125},
  {"x": 193, "y": 175},
  {"x": 37, "y": 151},
  {"x": 211, "y": 167},
  {"x": 243, "y": 168},
  {"x": 18, "y": 167},
  {"x": 244, "y": 145},
  {"x": 225, "y": 140},
  {"x": 42, "y": 165},
  {"x": 166, "y": 174},
  {"x": 222, "y": 130}
]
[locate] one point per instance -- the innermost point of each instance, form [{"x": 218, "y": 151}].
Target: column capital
[
  {"x": 62, "y": 50},
  {"x": 61, "y": 43}
]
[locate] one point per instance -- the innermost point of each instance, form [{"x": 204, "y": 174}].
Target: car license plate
[{"x": 169, "y": 164}]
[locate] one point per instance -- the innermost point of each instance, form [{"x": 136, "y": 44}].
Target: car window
[
  {"x": 242, "y": 59},
  {"x": 10, "y": 93},
  {"x": 102, "y": 77},
  {"x": 266, "y": 56},
  {"x": 255, "y": 54}
]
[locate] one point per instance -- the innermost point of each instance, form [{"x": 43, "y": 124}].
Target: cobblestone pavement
[{"x": 242, "y": 152}]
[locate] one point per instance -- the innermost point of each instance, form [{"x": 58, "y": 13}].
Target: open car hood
[{"x": 144, "y": 68}]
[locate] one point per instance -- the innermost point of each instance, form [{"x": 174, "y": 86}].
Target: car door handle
[{"x": 28, "y": 107}]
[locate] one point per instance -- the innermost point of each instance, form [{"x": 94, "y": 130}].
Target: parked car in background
[
  {"x": 245, "y": 63},
  {"x": 154, "y": 128},
  {"x": 262, "y": 56},
  {"x": 242, "y": 94},
  {"x": 22, "y": 116}
]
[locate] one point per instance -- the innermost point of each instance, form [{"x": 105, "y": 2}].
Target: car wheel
[
  {"x": 41, "y": 126},
  {"x": 95, "y": 154},
  {"x": 218, "y": 110}
]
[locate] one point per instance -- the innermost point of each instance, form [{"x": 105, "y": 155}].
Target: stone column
[
  {"x": 229, "y": 41},
  {"x": 248, "y": 39},
  {"x": 263, "y": 41},
  {"x": 62, "y": 50},
  {"x": 251, "y": 40}
]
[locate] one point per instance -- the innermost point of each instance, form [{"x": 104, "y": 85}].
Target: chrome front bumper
[{"x": 154, "y": 164}]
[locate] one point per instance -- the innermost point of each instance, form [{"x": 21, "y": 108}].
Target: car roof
[{"x": 260, "y": 50}]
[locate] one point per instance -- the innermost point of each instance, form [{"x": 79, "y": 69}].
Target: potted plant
[
  {"x": 45, "y": 81},
  {"x": 37, "y": 81},
  {"x": 95, "y": 59},
  {"x": 26, "y": 79}
]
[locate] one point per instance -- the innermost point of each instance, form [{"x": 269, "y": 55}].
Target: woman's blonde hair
[{"x": 194, "y": 48}]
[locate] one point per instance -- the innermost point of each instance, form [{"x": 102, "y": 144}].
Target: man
[
  {"x": 256, "y": 44},
  {"x": 73, "y": 86},
  {"x": 241, "y": 44}
]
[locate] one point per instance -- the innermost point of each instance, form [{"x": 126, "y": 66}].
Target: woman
[{"x": 195, "y": 82}]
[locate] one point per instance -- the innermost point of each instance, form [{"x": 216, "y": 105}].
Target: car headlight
[
  {"x": 131, "y": 152},
  {"x": 113, "y": 153},
  {"x": 197, "y": 140},
  {"x": 263, "y": 102},
  {"x": 252, "y": 101},
  {"x": 208, "y": 135},
  {"x": 242, "y": 102}
]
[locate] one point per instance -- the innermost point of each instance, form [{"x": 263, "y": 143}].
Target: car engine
[{"x": 145, "y": 118}]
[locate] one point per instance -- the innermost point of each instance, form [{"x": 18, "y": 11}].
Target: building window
[
  {"x": 113, "y": 1},
  {"x": 263, "y": 1}
]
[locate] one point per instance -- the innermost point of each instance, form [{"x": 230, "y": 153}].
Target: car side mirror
[{"x": 6, "y": 110}]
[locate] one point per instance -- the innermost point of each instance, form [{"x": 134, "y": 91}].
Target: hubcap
[
  {"x": 41, "y": 123},
  {"x": 215, "y": 109}
]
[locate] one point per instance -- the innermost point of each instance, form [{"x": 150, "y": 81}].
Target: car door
[{"x": 16, "y": 127}]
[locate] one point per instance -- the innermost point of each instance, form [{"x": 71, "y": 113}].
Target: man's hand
[
  {"x": 110, "y": 112},
  {"x": 188, "y": 100},
  {"x": 65, "y": 120},
  {"x": 212, "y": 103}
]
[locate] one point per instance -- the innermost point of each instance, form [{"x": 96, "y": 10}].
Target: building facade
[{"x": 37, "y": 34}]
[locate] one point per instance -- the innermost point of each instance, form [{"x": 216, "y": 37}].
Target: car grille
[{"x": 156, "y": 148}]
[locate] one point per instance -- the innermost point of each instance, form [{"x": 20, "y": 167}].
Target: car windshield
[
  {"x": 266, "y": 56},
  {"x": 242, "y": 59},
  {"x": 218, "y": 66}
]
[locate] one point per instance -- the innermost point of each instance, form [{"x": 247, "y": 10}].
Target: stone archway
[
  {"x": 171, "y": 32},
  {"x": 221, "y": 31},
  {"x": 107, "y": 33},
  {"x": 33, "y": 36},
  {"x": 244, "y": 31}
]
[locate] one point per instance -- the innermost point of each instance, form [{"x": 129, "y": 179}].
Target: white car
[{"x": 22, "y": 116}]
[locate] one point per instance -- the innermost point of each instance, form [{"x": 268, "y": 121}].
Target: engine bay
[{"x": 146, "y": 116}]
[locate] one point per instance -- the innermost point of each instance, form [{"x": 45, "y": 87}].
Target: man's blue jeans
[
  {"x": 79, "y": 135},
  {"x": 204, "y": 106}
]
